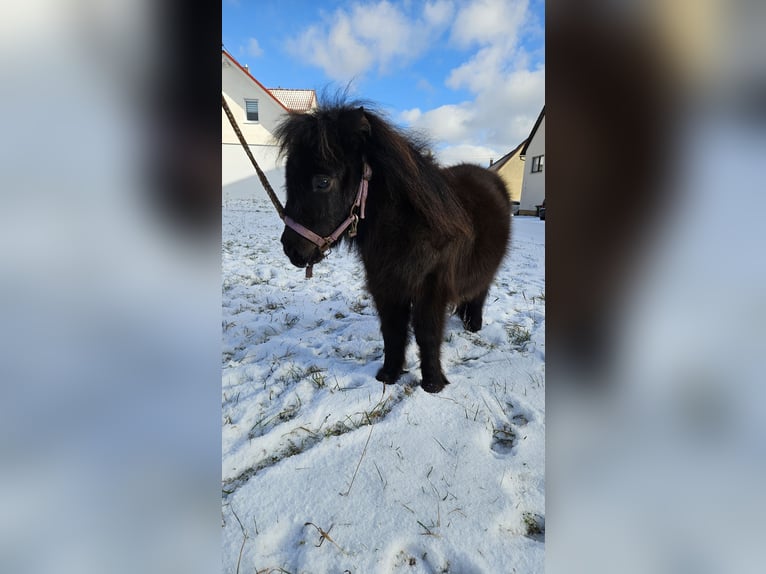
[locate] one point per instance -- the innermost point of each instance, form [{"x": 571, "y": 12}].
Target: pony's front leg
[
  {"x": 394, "y": 320},
  {"x": 428, "y": 322}
]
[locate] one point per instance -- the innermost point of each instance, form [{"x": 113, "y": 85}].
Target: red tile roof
[{"x": 295, "y": 100}]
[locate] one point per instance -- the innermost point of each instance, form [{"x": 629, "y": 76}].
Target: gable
[
  {"x": 227, "y": 61},
  {"x": 240, "y": 88},
  {"x": 536, "y": 144},
  {"x": 246, "y": 94},
  {"x": 498, "y": 165},
  {"x": 510, "y": 168},
  {"x": 533, "y": 132}
]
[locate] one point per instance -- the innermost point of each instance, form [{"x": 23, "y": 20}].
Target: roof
[
  {"x": 247, "y": 73},
  {"x": 503, "y": 160},
  {"x": 532, "y": 133},
  {"x": 295, "y": 100}
]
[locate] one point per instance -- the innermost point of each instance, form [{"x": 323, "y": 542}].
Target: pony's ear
[
  {"x": 364, "y": 124},
  {"x": 355, "y": 125}
]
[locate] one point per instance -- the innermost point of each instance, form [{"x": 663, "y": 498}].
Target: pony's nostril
[
  {"x": 296, "y": 256},
  {"x": 295, "y": 259}
]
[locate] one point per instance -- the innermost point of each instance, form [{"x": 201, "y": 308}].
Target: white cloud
[
  {"x": 489, "y": 21},
  {"x": 499, "y": 117},
  {"x": 507, "y": 94},
  {"x": 381, "y": 35},
  {"x": 410, "y": 116},
  {"x": 438, "y": 14},
  {"x": 254, "y": 48},
  {"x": 481, "y": 72},
  {"x": 495, "y": 26},
  {"x": 510, "y": 107},
  {"x": 337, "y": 52},
  {"x": 450, "y": 123},
  {"x": 467, "y": 153}
]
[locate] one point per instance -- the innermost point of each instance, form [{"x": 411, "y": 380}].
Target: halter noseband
[{"x": 352, "y": 220}]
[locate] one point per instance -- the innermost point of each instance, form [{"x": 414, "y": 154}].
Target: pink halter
[{"x": 352, "y": 220}]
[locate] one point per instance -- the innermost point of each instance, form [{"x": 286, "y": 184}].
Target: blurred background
[
  {"x": 110, "y": 286},
  {"x": 655, "y": 435}
]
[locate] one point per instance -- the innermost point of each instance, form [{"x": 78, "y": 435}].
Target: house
[
  {"x": 533, "y": 182},
  {"x": 257, "y": 110},
  {"x": 510, "y": 168}
]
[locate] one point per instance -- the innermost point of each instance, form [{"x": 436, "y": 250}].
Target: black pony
[{"x": 428, "y": 236}]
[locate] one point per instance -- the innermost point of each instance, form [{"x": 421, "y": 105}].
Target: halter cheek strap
[{"x": 352, "y": 220}]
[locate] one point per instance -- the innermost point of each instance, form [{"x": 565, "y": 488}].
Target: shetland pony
[{"x": 428, "y": 236}]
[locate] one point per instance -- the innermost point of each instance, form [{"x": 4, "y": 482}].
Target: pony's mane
[
  {"x": 320, "y": 128},
  {"x": 404, "y": 157}
]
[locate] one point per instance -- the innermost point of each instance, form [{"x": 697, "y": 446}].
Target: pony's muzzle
[{"x": 300, "y": 251}]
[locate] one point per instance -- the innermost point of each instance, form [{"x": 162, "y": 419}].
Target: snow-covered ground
[{"x": 327, "y": 470}]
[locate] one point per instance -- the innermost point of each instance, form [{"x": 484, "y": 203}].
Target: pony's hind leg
[
  {"x": 394, "y": 321},
  {"x": 428, "y": 322},
  {"x": 471, "y": 312}
]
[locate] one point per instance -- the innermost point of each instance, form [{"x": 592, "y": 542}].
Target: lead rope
[
  {"x": 323, "y": 243},
  {"x": 262, "y": 176}
]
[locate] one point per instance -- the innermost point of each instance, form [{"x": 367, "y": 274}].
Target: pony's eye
[{"x": 322, "y": 182}]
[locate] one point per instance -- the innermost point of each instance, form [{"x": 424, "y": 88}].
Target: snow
[{"x": 325, "y": 469}]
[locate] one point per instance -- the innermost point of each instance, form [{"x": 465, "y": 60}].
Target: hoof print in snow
[
  {"x": 503, "y": 439},
  {"x": 534, "y": 526},
  {"x": 505, "y": 435},
  {"x": 416, "y": 560},
  {"x": 518, "y": 416},
  {"x": 520, "y": 420},
  {"x": 403, "y": 559}
]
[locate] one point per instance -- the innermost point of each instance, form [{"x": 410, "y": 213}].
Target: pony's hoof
[
  {"x": 389, "y": 377},
  {"x": 431, "y": 385},
  {"x": 471, "y": 322},
  {"x": 472, "y": 325}
]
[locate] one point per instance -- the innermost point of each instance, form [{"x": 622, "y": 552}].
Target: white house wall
[
  {"x": 239, "y": 178},
  {"x": 237, "y": 87},
  {"x": 533, "y": 185}
]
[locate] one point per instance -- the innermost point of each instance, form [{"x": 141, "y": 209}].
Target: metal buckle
[{"x": 352, "y": 226}]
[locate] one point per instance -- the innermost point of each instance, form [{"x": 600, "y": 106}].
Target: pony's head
[{"x": 325, "y": 152}]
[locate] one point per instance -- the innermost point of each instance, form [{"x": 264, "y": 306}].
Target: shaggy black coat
[{"x": 431, "y": 237}]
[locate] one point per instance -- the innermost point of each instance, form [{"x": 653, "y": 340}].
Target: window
[
  {"x": 537, "y": 163},
  {"x": 251, "y": 109}
]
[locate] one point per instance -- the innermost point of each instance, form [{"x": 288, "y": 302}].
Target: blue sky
[{"x": 470, "y": 73}]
